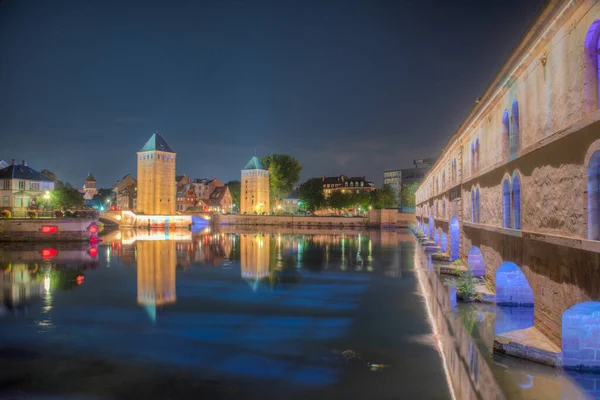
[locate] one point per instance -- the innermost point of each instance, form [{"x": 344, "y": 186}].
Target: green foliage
[
  {"x": 102, "y": 197},
  {"x": 6, "y": 214},
  {"x": 489, "y": 285},
  {"x": 284, "y": 173},
  {"x": 457, "y": 263},
  {"x": 66, "y": 196},
  {"x": 310, "y": 194},
  {"x": 407, "y": 195},
  {"x": 32, "y": 214},
  {"x": 383, "y": 198},
  {"x": 235, "y": 189},
  {"x": 339, "y": 200},
  {"x": 465, "y": 286}
]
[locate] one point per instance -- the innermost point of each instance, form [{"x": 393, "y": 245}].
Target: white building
[{"x": 20, "y": 185}]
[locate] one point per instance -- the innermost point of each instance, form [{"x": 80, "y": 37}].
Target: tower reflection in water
[
  {"x": 156, "y": 262},
  {"x": 255, "y": 255}
]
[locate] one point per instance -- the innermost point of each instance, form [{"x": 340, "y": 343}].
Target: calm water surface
[{"x": 218, "y": 315}]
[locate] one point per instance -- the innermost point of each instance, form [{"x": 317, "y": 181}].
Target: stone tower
[
  {"x": 89, "y": 187},
  {"x": 156, "y": 178},
  {"x": 254, "y": 196}
]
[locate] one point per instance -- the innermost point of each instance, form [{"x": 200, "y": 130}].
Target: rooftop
[
  {"x": 254, "y": 163},
  {"x": 90, "y": 178},
  {"x": 19, "y": 171},
  {"x": 157, "y": 143}
]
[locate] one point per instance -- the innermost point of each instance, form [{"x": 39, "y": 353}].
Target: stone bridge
[{"x": 515, "y": 193}]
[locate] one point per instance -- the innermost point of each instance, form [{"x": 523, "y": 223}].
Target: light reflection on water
[{"x": 235, "y": 306}]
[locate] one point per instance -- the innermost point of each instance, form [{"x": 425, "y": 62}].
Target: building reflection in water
[
  {"x": 255, "y": 256},
  {"x": 156, "y": 262},
  {"x": 20, "y": 284}
]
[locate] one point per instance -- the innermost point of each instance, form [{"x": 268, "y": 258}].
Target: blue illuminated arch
[
  {"x": 444, "y": 242},
  {"x": 580, "y": 341},
  {"x": 444, "y": 207},
  {"x": 431, "y": 226},
  {"x": 436, "y": 237},
  {"x": 477, "y": 208},
  {"x": 505, "y": 134},
  {"x": 475, "y": 261},
  {"x": 594, "y": 196},
  {"x": 512, "y": 288},
  {"x": 591, "y": 66},
  {"x": 454, "y": 239},
  {"x": 472, "y": 158},
  {"x": 516, "y": 201},
  {"x": 515, "y": 141},
  {"x": 506, "y": 204},
  {"x": 472, "y": 204}
]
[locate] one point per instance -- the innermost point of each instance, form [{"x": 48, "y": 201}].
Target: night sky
[{"x": 347, "y": 87}]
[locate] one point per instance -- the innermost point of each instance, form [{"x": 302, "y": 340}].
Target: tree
[
  {"x": 101, "y": 198},
  {"x": 310, "y": 194},
  {"x": 66, "y": 196},
  {"x": 383, "y": 198},
  {"x": 234, "y": 189},
  {"x": 284, "y": 173},
  {"x": 407, "y": 196},
  {"x": 339, "y": 200}
]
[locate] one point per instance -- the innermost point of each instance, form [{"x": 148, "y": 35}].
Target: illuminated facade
[
  {"x": 515, "y": 192},
  {"x": 254, "y": 195},
  {"x": 156, "y": 178},
  {"x": 255, "y": 255},
  {"x": 89, "y": 187},
  {"x": 156, "y": 262},
  {"x": 20, "y": 185}
]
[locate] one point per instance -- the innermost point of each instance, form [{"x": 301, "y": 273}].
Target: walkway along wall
[{"x": 519, "y": 181}]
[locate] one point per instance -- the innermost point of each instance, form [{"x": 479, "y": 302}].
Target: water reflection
[{"x": 156, "y": 262}]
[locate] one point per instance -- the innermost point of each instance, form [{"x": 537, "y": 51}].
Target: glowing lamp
[
  {"x": 94, "y": 252},
  {"x": 80, "y": 279},
  {"x": 93, "y": 228},
  {"x": 49, "y": 229},
  {"x": 49, "y": 253}
]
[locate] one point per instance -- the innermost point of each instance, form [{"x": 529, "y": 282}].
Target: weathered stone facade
[
  {"x": 520, "y": 177},
  {"x": 156, "y": 178}
]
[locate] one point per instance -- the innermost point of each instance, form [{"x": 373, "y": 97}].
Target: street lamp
[{"x": 47, "y": 195}]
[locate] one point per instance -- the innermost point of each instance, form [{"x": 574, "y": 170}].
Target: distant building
[
  {"x": 346, "y": 184},
  {"x": 206, "y": 194},
  {"x": 290, "y": 204},
  {"x": 254, "y": 192},
  {"x": 89, "y": 187},
  {"x": 125, "y": 192},
  {"x": 156, "y": 178},
  {"x": 21, "y": 185},
  {"x": 220, "y": 199},
  {"x": 3, "y": 164},
  {"x": 400, "y": 178},
  {"x": 394, "y": 179}
]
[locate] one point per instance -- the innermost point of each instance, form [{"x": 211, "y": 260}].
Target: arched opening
[
  {"x": 436, "y": 237},
  {"x": 454, "y": 239},
  {"x": 590, "y": 67},
  {"x": 475, "y": 262},
  {"x": 472, "y": 204},
  {"x": 514, "y": 299},
  {"x": 443, "y": 179},
  {"x": 444, "y": 207},
  {"x": 477, "y": 208},
  {"x": 516, "y": 201},
  {"x": 506, "y": 204},
  {"x": 431, "y": 226},
  {"x": 444, "y": 242},
  {"x": 505, "y": 135},
  {"x": 477, "y": 155},
  {"x": 472, "y": 158},
  {"x": 515, "y": 135},
  {"x": 594, "y": 197},
  {"x": 581, "y": 336}
]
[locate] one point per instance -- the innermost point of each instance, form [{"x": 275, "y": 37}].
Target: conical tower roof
[
  {"x": 156, "y": 142},
  {"x": 90, "y": 178}
]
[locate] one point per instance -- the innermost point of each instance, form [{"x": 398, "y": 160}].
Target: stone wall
[
  {"x": 15, "y": 230},
  {"x": 278, "y": 220}
]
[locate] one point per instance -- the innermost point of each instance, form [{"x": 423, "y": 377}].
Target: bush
[
  {"x": 32, "y": 213},
  {"x": 6, "y": 214},
  {"x": 457, "y": 263},
  {"x": 465, "y": 286},
  {"x": 59, "y": 214}
]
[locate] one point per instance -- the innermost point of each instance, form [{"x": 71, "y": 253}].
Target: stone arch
[
  {"x": 514, "y": 298},
  {"x": 592, "y": 160},
  {"x": 431, "y": 226},
  {"x": 477, "y": 157},
  {"x": 436, "y": 237},
  {"x": 477, "y": 205},
  {"x": 472, "y": 158},
  {"x": 515, "y": 129},
  {"x": 472, "y": 203},
  {"x": 506, "y": 202},
  {"x": 516, "y": 201},
  {"x": 590, "y": 67},
  {"x": 475, "y": 262},
  {"x": 512, "y": 287},
  {"x": 444, "y": 242},
  {"x": 454, "y": 239},
  {"x": 505, "y": 140},
  {"x": 581, "y": 336}
]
